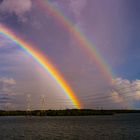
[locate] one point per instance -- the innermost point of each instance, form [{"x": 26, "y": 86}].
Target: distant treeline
[{"x": 67, "y": 112}]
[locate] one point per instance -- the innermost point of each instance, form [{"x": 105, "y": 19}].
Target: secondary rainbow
[
  {"x": 88, "y": 47},
  {"x": 44, "y": 62}
]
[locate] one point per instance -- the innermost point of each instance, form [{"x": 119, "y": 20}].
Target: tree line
[{"x": 66, "y": 112}]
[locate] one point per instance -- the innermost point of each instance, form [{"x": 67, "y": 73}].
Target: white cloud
[
  {"x": 125, "y": 91},
  {"x": 116, "y": 97},
  {"x": 17, "y": 7}
]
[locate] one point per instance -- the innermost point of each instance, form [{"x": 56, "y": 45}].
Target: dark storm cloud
[
  {"x": 16, "y": 7},
  {"x": 1, "y": 1}
]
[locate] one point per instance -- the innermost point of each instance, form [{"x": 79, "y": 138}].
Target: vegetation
[{"x": 67, "y": 112}]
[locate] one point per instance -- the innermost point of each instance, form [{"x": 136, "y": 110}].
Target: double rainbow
[
  {"x": 44, "y": 62},
  {"x": 78, "y": 35}
]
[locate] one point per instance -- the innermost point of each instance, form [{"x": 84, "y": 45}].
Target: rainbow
[
  {"x": 84, "y": 42},
  {"x": 44, "y": 62}
]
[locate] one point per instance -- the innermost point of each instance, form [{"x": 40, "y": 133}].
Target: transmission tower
[
  {"x": 28, "y": 103},
  {"x": 42, "y": 101}
]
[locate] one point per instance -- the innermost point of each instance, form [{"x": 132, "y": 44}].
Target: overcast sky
[{"x": 111, "y": 26}]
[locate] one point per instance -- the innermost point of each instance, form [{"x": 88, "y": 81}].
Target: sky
[{"x": 112, "y": 27}]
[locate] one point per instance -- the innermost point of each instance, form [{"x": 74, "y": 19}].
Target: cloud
[
  {"x": 116, "y": 97},
  {"x": 1, "y": 1},
  {"x": 125, "y": 91},
  {"x": 4, "y": 42},
  {"x": 7, "y": 85},
  {"x": 77, "y": 6},
  {"x": 17, "y": 7}
]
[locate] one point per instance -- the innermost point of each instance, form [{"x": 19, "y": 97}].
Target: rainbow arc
[
  {"x": 78, "y": 35},
  {"x": 44, "y": 62}
]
